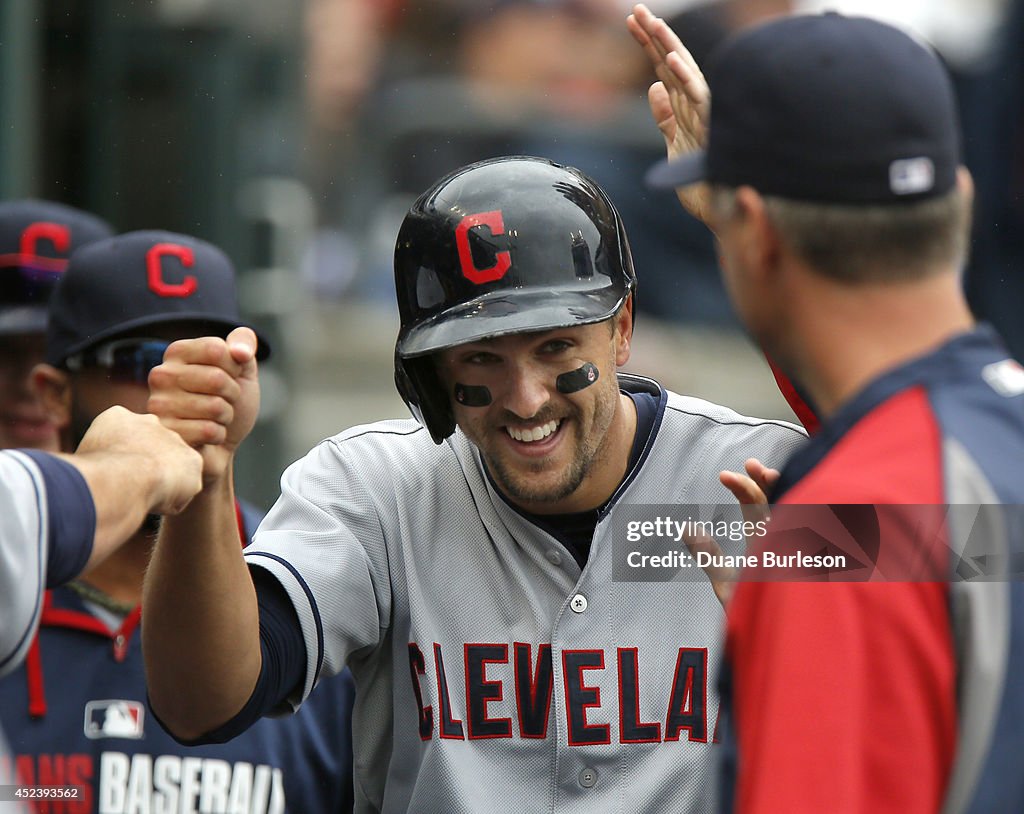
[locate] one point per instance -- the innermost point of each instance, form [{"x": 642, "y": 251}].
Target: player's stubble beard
[{"x": 590, "y": 452}]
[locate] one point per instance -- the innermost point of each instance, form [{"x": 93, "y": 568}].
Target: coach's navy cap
[
  {"x": 124, "y": 284},
  {"x": 36, "y": 239},
  {"x": 826, "y": 108}
]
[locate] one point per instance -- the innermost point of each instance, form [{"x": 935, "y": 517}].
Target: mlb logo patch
[
  {"x": 114, "y": 719},
  {"x": 1005, "y": 377},
  {"x": 910, "y": 176}
]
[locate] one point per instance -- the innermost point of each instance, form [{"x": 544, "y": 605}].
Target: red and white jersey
[{"x": 902, "y": 694}]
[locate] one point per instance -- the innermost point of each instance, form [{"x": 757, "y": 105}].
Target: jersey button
[
  {"x": 588, "y": 778},
  {"x": 554, "y": 557},
  {"x": 578, "y": 603}
]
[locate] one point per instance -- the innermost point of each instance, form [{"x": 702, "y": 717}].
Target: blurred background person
[
  {"x": 36, "y": 239},
  {"x": 345, "y": 42}
]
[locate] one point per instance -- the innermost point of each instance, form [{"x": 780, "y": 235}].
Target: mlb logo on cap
[
  {"x": 121, "y": 286},
  {"x": 114, "y": 719},
  {"x": 911, "y": 176}
]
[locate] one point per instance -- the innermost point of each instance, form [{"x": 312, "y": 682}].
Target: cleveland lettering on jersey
[{"x": 491, "y": 684}]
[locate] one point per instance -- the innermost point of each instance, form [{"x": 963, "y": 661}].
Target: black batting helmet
[{"x": 503, "y": 246}]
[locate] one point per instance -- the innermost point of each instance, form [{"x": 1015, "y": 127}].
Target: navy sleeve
[
  {"x": 284, "y": 659},
  {"x": 71, "y": 518}
]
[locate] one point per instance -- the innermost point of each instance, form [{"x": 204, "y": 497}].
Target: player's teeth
[{"x": 535, "y": 434}]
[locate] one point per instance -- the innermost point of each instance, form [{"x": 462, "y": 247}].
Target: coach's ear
[
  {"x": 760, "y": 244},
  {"x": 965, "y": 183},
  {"x": 52, "y": 387}
]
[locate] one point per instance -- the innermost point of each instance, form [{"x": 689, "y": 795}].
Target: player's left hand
[
  {"x": 207, "y": 390},
  {"x": 680, "y": 102}
]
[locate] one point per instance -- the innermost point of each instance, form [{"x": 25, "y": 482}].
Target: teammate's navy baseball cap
[
  {"x": 826, "y": 108},
  {"x": 36, "y": 240},
  {"x": 127, "y": 283}
]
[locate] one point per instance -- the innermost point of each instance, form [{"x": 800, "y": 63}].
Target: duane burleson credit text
[{"x": 737, "y": 530}]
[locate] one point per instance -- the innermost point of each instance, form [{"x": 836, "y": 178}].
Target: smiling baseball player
[{"x": 461, "y": 564}]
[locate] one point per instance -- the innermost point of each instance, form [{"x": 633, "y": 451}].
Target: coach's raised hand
[
  {"x": 680, "y": 101},
  {"x": 207, "y": 390}
]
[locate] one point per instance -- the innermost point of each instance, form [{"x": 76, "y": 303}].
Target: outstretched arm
[
  {"x": 201, "y": 625},
  {"x": 680, "y": 101},
  {"x": 54, "y": 522}
]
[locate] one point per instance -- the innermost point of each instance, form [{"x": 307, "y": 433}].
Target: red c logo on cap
[
  {"x": 502, "y": 260},
  {"x": 154, "y": 270},
  {"x": 57, "y": 233}
]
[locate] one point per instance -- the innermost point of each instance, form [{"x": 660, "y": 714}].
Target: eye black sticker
[
  {"x": 577, "y": 379},
  {"x": 472, "y": 395}
]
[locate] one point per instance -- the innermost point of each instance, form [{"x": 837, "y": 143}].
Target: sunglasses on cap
[{"x": 128, "y": 360}]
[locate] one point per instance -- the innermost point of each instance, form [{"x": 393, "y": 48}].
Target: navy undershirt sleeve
[
  {"x": 284, "y": 659},
  {"x": 71, "y": 518}
]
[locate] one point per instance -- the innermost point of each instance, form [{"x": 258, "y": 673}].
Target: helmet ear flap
[{"x": 420, "y": 388}]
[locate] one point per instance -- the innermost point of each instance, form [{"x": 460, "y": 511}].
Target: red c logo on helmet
[
  {"x": 154, "y": 271},
  {"x": 502, "y": 260},
  {"x": 57, "y": 233}
]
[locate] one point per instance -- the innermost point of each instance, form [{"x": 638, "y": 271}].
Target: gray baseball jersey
[
  {"x": 22, "y": 564},
  {"x": 493, "y": 673},
  {"x": 23, "y": 541}
]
